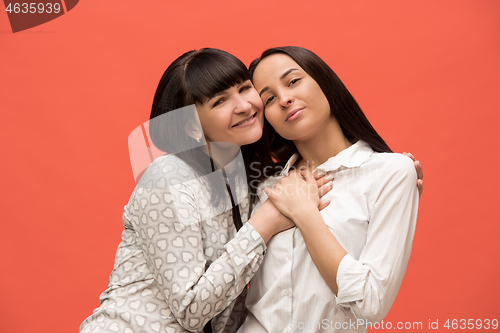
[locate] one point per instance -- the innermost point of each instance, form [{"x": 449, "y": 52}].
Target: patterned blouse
[{"x": 181, "y": 261}]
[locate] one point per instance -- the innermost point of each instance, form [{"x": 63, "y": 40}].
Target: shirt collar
[{"x": 351, "y": 157}]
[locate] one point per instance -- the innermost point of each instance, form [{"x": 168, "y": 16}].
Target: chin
[{"x": 251, "y": 137}]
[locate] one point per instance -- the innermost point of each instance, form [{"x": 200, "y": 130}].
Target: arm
[
  {"x": 369, "y": 285},
  {"x": 324, "y": 184},
  {"x": 170, "y": 233}
]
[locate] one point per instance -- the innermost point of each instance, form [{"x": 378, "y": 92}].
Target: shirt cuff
[
  {"x": 247, "y": 242},
  {"x": 351, "y": 279}
]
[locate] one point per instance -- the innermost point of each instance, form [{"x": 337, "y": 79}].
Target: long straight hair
[
  {"x": 195, "y": 77},
  {"x": 353, "y": 122}
]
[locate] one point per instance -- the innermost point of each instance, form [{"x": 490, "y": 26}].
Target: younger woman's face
[
  {"x": 234, "y": 115},
  {"x": 294, "y": 103}
]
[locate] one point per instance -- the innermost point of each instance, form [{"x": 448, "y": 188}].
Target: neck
[
  {"x": 318, "y": 148},
  {"x": 223, "y": 153}
]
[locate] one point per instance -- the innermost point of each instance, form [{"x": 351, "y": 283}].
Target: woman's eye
[
  {"x": 244, "y": 88},
  {"x": 294, "y": 81},
  {"x": 269, "y": 100},
  {"x": 218, "y": 102}
]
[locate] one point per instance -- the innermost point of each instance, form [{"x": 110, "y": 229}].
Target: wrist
[
  {"x": 260, "y": 223},
  {"x": 303, "y": 212}
]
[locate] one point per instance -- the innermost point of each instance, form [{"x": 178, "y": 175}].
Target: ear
[{"x": 194, "y": 130}]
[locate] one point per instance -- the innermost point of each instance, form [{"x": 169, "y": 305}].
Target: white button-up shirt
[{"x": 372, "y": 214}]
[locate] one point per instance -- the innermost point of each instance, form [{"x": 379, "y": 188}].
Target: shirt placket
[{"x": 286, "y": 286}]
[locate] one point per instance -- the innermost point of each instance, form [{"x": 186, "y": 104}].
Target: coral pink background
[{"x": 427, "y": 74}]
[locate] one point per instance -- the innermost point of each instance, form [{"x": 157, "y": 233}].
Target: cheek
[
  {"x": 326, "y": 106},
  {"x": 260, "y": 118},
  {"x": 321, "y": 98},
  {"x": 213, "y": 125},
  {"x": 272, "y": 117},
  {"x": 255, "y": 100},
  {"x": 221, "y": 123}
]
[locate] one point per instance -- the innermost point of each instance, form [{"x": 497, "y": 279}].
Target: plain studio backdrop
[{"x": 426, "y": 73}]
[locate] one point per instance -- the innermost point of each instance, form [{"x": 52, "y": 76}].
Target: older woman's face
[
  {"x": 234, "y": 115},
  {"x": 294, "y": 103}
]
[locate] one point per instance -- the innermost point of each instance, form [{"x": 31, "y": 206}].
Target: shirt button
[{"x": 287, "y": 293}]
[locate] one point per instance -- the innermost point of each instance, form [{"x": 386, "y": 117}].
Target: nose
[
  {"x": 242, "y": 105},
  {"x": 285, "y": 100}
]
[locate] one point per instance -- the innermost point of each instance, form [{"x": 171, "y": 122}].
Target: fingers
[
  {"x": 409, "y": 155},
  {"x": 324, "y": 183},
  {"x": 323, "y": 204},
  {"x": 322, "y": 190},
  {"x": 269, "y": 192},
  {"x": 420, "y": 186},
  {"x": 323, "y": 180},
  {"x": 296, "y": 176},
  {"x": 308, "y": 176},
  {"x": 318, "y": 175},
  {"x": 418, "y": 167}
]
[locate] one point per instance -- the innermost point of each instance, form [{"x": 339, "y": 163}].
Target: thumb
[{"x": 269, "y": 192}]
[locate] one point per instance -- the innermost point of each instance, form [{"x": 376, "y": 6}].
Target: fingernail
[
  {"x": 419, "y": 163},
  {"x": 328, "y": 178}
]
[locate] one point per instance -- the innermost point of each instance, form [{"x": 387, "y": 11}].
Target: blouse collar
[{"x": 351, "y": 157}]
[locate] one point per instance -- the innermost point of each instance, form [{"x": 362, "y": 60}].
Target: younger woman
[{"x": 339, "y": 269}]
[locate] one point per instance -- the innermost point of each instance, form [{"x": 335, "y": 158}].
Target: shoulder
[
  {"x": 167, "y": 187},
  {"x": 169, "y": 165},
  {"x": 166, "y": 168},
  {"x": 167, "y": 177},
  {"x": 393, "y": 166}
]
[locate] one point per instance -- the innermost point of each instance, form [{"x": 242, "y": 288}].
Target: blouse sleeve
[
  {"x": 369, "y": 286},
  {"x": 169, "y": 231}
]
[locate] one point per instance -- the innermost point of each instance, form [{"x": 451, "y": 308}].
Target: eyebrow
[
  {"x": 288, "y": 72},
  {"x": 281, "y": 78}
]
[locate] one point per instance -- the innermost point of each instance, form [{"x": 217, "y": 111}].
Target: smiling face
[
  {"x": 233, "y": 115},
  {"x": 294, "y": 103}
]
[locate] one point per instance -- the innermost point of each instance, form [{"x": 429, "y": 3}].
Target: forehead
[{"x": 270, "y": 69}]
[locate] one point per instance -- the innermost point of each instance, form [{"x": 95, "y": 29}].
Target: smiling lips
[
  {"x": 245, "y": 122},
  {"x": 293, "y": 114}
]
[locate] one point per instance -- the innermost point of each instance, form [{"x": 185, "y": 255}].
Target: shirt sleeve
[
  {"x": 369, "y": 286},
  {"x": 236, "y": 315},
  {"x": 170, "y": 233}
]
